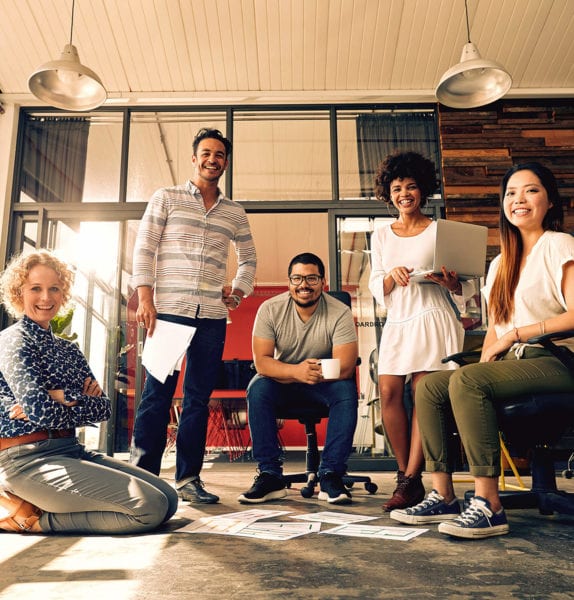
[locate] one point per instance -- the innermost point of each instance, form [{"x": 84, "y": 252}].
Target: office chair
[
  {"x": 310, "y": 416},
  {"x": 532, "y": 423}
]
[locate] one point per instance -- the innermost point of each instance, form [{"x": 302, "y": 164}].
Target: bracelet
[
  {"x": 542, "y": 327},
  {"x": 236, "y": 298}
]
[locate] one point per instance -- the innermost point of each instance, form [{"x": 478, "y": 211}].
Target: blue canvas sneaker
[
  {"x": 433, "y": 509},
  {"x": 477, "y": 521}
]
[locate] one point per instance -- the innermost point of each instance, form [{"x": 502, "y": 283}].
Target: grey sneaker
[
  {"x": 433, "y": 509},
  {"x": 333, "y": 490},
  {"x": 266, "y": 486},
  {"x": 477, "y": 521},
  {"x": 195, "y": 493}
]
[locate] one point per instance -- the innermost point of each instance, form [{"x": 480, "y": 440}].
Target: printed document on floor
[
  {"x": 163, "y": 351},
  {"x": 334, "y": 518},
  {"x": 248, "y": 524},
  {"x": 372, "y": 531}
]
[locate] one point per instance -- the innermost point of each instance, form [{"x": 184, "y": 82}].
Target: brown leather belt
[{"x": 36, "y": 436}]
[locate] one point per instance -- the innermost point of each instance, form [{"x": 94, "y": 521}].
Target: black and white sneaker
[
  {"x": 477, "y": 521},
  {"x": 195, "y": 493},
  {"x": 433, "y": 509},
  {"x": 266, "y": 486},
  {"x": 333, "y": 490}
]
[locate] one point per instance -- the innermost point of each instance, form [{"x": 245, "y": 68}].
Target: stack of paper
[{"x": 164, "y": 350}]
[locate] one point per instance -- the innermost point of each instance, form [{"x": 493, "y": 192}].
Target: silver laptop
[{"x": 460, "y": 247}]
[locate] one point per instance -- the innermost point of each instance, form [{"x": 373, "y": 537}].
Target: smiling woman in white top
[
  {"x": 421, "y": 326},
  {"x": 529, "y": 291}
]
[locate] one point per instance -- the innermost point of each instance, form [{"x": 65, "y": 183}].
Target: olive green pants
[{"x": 471, "y": 392}]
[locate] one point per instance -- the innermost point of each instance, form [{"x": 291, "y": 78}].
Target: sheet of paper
[
  {"x": 164, "y": 350},
  {"x": 264, "y": 530},
  {"x": 372, "y": 531},
  {"x": 229, "y": 523},
  {"x": 254, "y": 514},
  {"x": 334, "y": 518}
]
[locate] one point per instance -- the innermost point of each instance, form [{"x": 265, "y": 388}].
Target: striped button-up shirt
[{"x": 181, "y": 251}]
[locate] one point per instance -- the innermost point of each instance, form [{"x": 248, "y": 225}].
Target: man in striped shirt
[{"x": 179, "y": 270}]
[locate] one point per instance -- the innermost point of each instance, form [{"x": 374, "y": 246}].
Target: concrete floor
[{"x": 533, "y": 562}]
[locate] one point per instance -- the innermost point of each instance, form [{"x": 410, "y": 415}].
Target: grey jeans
[
  {"x": 472, "y": 392},
  {"x": 82, "y": 491}
]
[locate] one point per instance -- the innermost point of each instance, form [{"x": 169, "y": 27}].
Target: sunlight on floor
[{"x": 113, "y": 574}]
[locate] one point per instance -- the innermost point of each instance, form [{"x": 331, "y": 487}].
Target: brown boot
[
  {"x": 17, "y": 514},
  {"x": 409, "y": 491}
]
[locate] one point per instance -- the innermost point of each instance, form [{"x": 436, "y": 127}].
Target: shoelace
[
  {"x": 474, "y": 513},
  {"x": 432, "y": 498},
  {"x": 403, "y": 484}
]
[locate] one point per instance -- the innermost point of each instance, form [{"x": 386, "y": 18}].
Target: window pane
[
  {"x": 161, "y": 150},
  {"x": 281, "y": 236},
  {"x": 367, "y": 137},
  {"x": 64, "y": 159},
  {"x": 93, "y": 248},
  {"x": 281, "y": 156}
]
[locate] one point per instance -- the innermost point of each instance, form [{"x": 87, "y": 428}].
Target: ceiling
[{"x": 285, "y": 51}]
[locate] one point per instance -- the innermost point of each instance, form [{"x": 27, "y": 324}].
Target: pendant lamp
[
  {"x": 67, "y": 83},
  {"x": 474, "y": 81}
]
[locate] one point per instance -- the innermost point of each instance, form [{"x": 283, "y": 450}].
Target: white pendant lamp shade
[
  {"x": 473, "y": 82},
  {"x": 67, "y": 83}
]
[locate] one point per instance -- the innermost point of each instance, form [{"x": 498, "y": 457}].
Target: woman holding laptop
[{"x": 421, "y": 325}]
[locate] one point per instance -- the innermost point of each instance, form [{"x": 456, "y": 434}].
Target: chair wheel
[
  {"x": 288, "y": 484},
  {"x": 567, "y": 474},
  {"x": 349, "y": 484},
  {"x": 371, "y": 487},
  {"x": 307, "y": 492}
]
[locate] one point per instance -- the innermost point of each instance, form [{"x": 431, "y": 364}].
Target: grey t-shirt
[{"x": 330, "y": 325}]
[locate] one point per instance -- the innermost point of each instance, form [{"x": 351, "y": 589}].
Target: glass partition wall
[{"x": 304, "y": 175}]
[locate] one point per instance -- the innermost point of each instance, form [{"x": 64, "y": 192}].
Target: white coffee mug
[{"x": 331, "y": 368}]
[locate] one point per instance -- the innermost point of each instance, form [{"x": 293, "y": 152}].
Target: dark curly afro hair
[{"x": 401, "y": 165}]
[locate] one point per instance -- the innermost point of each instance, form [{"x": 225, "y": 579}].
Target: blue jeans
[
  {"x": 203, "y": 358},
  {"x": 265, "y": 396}
]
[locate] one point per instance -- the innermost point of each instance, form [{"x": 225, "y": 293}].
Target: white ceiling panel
[{"x": 286, "y": 50}]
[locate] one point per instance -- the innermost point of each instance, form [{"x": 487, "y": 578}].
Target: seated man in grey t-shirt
[{"x": 292, "y": 333}]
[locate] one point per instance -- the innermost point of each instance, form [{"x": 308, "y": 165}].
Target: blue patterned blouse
[{"x": 32, "y": 361}]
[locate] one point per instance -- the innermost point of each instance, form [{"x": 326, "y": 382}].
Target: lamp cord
[
  {"x": 467, "y": 25},
  {"x": 72, "y": 24}
]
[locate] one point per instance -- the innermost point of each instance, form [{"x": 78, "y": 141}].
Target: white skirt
[{"x": 420, "y": 343}]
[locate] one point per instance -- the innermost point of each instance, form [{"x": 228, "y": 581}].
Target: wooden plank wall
[{"x": 479, "y": 145}]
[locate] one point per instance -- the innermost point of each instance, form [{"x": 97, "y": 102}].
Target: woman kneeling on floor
[
  {"x": 49, "y": 482},
  {"x": 529, "y": 291}
]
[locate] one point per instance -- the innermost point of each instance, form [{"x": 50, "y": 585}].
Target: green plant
[{"x": 61, "y": 322}]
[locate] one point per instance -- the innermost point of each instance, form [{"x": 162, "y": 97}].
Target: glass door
[
  {"x": 102, "y": 308},
  {"x": 354, "y": 256}
]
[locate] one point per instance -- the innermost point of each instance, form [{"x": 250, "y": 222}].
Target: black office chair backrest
[{"x": 342, "y": 296}]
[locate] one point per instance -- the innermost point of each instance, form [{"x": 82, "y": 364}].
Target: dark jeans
[
  {"x": 203, "y": 358},
  {"x": 265, "y": 396}
]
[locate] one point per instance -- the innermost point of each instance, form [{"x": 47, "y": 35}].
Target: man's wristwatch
[{"x": 236, "y": 298}]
